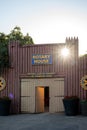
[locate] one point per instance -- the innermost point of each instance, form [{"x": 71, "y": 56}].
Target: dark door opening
[{"x": 46, "y": 99}]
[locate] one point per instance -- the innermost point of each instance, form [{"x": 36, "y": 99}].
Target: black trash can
[
  {"x": 71, "y": 106},
  {"x": 83, "y": 107},
  {"x": 5, "y": 107}
]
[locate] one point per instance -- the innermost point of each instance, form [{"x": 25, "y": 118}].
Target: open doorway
[
  {"x": 42, "y": 99},
  {"x": 46, "y": 99}
]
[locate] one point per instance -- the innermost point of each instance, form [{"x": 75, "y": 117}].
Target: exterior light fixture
[{"x": 65, "y": 52}]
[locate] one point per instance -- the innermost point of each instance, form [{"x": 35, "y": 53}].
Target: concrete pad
[{"x": 44, "y": 121}]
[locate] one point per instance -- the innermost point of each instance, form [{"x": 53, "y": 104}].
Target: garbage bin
[
  {"x": 4, "y": 107},
  {"x": 71, "y": 106},
  {"x": 83, "y": 106}
]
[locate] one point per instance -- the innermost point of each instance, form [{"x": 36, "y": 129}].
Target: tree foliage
[
  {"x": 4, "y": 58},
  {"x": 15, "y": 35}
]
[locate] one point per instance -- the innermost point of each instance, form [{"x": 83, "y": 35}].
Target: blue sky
[{"x": 47, "y": 21}]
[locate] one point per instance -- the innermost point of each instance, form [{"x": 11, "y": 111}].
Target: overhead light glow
[{"x": 65, "y": 52}]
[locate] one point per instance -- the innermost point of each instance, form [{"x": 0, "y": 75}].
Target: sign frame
[{"x": 39, "y": 59}]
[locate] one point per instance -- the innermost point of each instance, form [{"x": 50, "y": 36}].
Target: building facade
[{"x": 40, "y": 77}]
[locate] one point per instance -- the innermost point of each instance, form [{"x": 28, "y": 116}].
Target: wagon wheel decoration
[
  {"x": 2, "y": 83},
  {"x": 84, "y": 82}
]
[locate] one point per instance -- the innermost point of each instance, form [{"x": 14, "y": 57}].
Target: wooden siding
[{"x": 71, "y": 68}]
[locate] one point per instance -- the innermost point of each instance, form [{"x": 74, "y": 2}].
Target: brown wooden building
[{"x": 39, "y": 76}]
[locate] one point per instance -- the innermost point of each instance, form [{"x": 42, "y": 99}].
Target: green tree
[
  {"x": 15, "y": 35},
  {"x": 4, "y": 58},
  {"x": 28, "y": 39}
]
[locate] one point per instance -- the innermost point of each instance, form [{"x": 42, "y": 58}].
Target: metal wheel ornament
[
  {"x": 84, "y": 82},
  {"x": 2, "y": 83}
]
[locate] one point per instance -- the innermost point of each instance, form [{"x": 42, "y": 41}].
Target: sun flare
[{"x": 65, "y": 52}]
